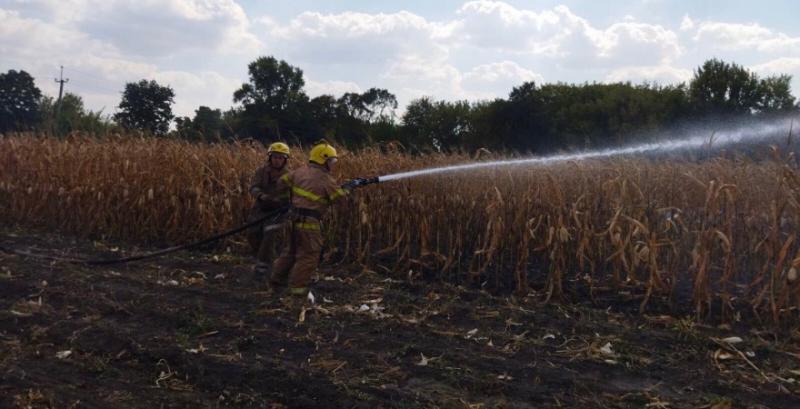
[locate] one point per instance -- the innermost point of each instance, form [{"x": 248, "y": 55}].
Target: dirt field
[{"x": 194, "y": 331}]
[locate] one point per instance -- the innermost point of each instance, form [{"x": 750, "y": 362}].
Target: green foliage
[
  {"x": 374, "y": 104},
  {"x": 551, "y": 117},
  {"x": 491, "y": 126},
  {"x": 207, "y": 125},
  {"x": 72, "y": 116},
  {"x": 274, "y": 105},
  {"x": 324, "y": 111},
  {"x": 776, "y": 94},
  {"x": 19, "y": 101},
  {"x": 146, "y": 106},
  {"x": 440, "y": 125},
  {"x": 536, "y": 118},
  {"x": 274, "y": 84},
  {"x": 722, "y": 89},
  {"x": 358, "y": 120},
  {"x": 597, "y": 115}
]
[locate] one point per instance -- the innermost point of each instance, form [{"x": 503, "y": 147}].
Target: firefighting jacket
[
  {"x": 267, "y": 181},
  {"x": 311, "y": 188}
]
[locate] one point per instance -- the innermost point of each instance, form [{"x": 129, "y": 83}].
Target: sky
[{"x": 444, "y": 49}]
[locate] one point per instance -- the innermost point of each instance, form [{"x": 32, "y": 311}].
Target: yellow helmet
[
  {"x": 321, "y": 152},
  {"x": 278, "y": 147}
]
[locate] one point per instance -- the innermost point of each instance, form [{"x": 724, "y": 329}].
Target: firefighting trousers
[
  {"x": 299, "y": 258},
  {"x": 262, "y": 244}
]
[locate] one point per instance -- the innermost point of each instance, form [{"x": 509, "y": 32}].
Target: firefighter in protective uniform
[
  {"x": 269, "y": 195},
  {"x": 312, "y": 189}
]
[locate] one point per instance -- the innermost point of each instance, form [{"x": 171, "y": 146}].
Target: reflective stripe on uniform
[
  {"x": 337, "y": 194},
  {"x": 308, "y": 226},
  {"x": 302, "y": 192},
  {"x": 309, "y": 195},
  {"x": 298, "y": 290}
]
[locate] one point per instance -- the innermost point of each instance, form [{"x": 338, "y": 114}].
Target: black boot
[{"x": 261, "y": 272}]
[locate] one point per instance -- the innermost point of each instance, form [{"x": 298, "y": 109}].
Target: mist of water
[{"x": 752, "y": 133}]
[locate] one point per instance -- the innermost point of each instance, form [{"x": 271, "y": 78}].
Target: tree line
[{"x": 273, "y": 106}]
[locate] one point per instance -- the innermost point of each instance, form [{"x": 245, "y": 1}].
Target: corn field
[{"x": 720, "y": 234}]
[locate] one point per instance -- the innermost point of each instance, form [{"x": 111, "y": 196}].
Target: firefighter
[
  {"x": 311, "y": 189},
  {"x": 269, "y": 197}
]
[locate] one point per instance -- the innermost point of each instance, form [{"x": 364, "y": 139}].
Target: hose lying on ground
[{"x": 270, "y": 218}]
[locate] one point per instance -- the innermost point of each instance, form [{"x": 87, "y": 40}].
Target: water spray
[{"x": 756, "y": 132}]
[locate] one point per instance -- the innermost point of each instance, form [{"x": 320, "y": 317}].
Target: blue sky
[
  {"x": 780, "y": 14},
  {"x": 448, "y": 49}
]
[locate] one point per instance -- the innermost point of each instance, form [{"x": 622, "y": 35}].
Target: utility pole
[{"x": 61, "y": 81}]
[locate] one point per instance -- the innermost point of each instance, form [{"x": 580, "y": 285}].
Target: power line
[
  {"x": 61, "y": 81},
  {"x": 97, "y": 81}
]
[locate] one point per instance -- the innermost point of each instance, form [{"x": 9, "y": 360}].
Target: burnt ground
[{"x": 192, "y": 330}]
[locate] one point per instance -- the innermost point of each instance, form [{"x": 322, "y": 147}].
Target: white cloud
[
  {"x": 415, "y": 77},
  {"x": 496, "y": 79},
  {"x": 403, "y": 52},
  {"x": 151, "y": 27},
  {"x": 499, "y": 71},
  {"x": 663, "y": 75},
  {"x": 687, "y": 23},
  {"x": 636, "y": 43},
  {"x": 494, "y": 24},
  {"x": 194, "y": 89},
  {"x": 97, "y": 69},
  {"x": 482, "y": 49},
  {"x": 161, "y": 27},
  {"x": 444, "y": 81},
  {"x": 732, "y": 36},
  {"x": 55, "y": 11},
  {"x": 335, "y": 88},
  {"x": 19, "y": 34},
  {"x": 357, "y": 38},
  {"x": 562, "y": 35},
  {"x": 786, "y": 65}
]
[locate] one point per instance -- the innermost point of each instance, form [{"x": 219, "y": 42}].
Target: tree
[
  {"x": 274, "y": 104},
  {"x": 524, "y": 116},
  {"x": 380, "y": 104},
  {"x": 184, "y": 128},
  {"x": 71, "y": 113},
  {"x": 274, "y": 84},
  {"x": 374, "y": 104},
  {"x": 19, "y": 101},
  {"x": 440, "y": 125},
  {"x": 351, "y": 104},
  {"x": 719, "y": 88},
  {"x": 490, "y": 126},
  {"x": 775, "y": 93},
  {"x": 146, "y": 106},
  {"x": 73, "y": 117},
  {"x": 206, "y": 125},
  {"x": 208, "y": 121},
  {"x": 324, "y": 111}
]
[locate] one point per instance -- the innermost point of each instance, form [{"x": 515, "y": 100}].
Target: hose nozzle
[{"x": 360, "y": 182}]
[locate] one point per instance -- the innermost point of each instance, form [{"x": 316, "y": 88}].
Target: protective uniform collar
[{"x": 318, "y": 166}]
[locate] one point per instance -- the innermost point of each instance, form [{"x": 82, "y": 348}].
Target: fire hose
[
  {"x": 271, "y": 221},
  {"x": 273, "y": 216}
]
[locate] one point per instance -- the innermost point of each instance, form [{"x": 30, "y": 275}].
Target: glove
[
  {"x": 354, "y": 183},
  {"x": 268, "y": 202}
]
